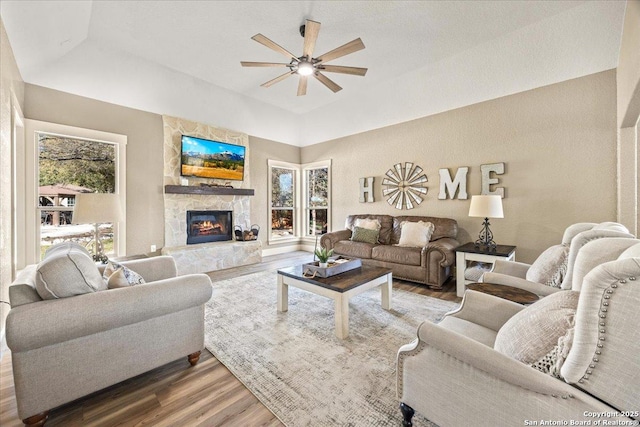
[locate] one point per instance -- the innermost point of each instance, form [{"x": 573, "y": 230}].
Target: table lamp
[
  {"x": 96, "y": 209},
  {"x": 486, "y": 207}
]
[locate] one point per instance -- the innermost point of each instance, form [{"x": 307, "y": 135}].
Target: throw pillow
[
  {"x": 533, "y": 332},
  {"x": 550, "y": 267},
  {"x": 66, "y": 271},
  {"x": 364, "y": 235},
  {"x": 368, "y": 223},
  {"x": 119, "y": 276},
  {"x": 415, "y": 234}
]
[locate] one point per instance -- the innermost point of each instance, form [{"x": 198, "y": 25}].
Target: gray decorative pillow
[
  {"x": 533, "y": 332},
  {"x": 119, "y": 276},
  {"x": 67, "y": 270},
  {"x": 364, "y": 235},
  {"x": 551, "y": 363},
  {"x": 550, "y": 267}
]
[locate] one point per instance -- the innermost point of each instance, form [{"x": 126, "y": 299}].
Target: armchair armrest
[
  {"x": 511, "y": 268},
  {"x": 329, "y": 240},
  {"x": 479, "y": 357},
  {"x": 485, "y": 310},
  {"x": 516, "y": 282},
  {"x": 442, "y": 248},
  {"x": 49, "y": 322}
]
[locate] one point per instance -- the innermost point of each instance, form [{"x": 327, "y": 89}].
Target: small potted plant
[{"x": 323, "y": 256}]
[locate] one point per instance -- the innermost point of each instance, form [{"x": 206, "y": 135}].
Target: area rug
[{"x": 294, "y": 363}]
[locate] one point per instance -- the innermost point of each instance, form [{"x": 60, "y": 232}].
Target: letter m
[{"x": 459, "y": 184}]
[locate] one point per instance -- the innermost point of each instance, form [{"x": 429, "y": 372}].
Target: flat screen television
[{"x": 211, "y": 159}]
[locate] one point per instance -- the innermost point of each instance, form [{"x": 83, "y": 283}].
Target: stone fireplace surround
[{"x": 203, "y": 257}]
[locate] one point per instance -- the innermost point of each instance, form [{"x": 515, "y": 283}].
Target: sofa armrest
[
  {"x": 48, "y": 322},
  {"x": 154, "y": 268},
  {"x": 511, "y": 268},
  {"x": 442, "y": 248},
  {"x": 485, "y": 310},
  {"x": 516, "y": 282},
  {"x": 329, "y": 240}
]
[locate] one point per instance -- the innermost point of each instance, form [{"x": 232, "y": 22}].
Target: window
[
  {"x": 283, "y": 200},
  {"x": 317, "y": 189},
  {"x": 67, "y": 161},
  {"x": 290, "y": 219},
  {"x": 69, "y": 166}
]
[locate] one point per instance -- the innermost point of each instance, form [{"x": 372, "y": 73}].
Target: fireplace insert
[{"x": 209, "y": 226}]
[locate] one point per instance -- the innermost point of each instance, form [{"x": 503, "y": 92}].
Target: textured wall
[
  {"x": 558, "y": 143},
  {"x": 145, "y": 219},
  {"x": 11, "y": 91},
  {"x": 261, "y": 151}
]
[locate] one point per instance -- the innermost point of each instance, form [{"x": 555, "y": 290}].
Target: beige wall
[
  {"x": 629, "y": 67},
  {"x": 11, "y": 99},
  {"x": 558, "y": 143},
  {"x": 145, "y": 208},
  {"x": 261, "y": 151}
]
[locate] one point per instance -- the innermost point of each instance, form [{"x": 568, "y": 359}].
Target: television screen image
[{"x": 211, "y": 159}]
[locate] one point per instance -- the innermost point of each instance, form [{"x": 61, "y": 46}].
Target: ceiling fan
[{"x": 306, "y": 65}]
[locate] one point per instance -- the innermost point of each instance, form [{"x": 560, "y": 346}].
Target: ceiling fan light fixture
[{"x": 305, "y": 68}]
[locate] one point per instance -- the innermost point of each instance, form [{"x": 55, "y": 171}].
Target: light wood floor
[{"x": 176, "y": 394}]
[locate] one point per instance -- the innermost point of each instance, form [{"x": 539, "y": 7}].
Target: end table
[{"x": 470, "y": 252}]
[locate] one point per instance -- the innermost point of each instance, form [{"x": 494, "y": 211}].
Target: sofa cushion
[
  {"x": 443, "y": 227},
  {"x": 397, "y": 254},
  {"x": 533, "y": 332},
  {"x": 386, "y": 225},
  {"x": 353, "y": 249},
  {"x": 67, "y": 271},
  {"x": 415, "y": 234},
  {"x": 364, "y": 235},
  {"x": 550, "y": 267}
]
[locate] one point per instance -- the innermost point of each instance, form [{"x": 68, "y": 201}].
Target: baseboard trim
[{"x": 284, "y": 249}]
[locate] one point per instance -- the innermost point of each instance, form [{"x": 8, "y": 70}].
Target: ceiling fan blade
[
  {"x": 302, "y": 86},
  {"x": 356, "y": 71},
  {"x": 263, "y": 64},
  {"x": 345, "y": 49},
  {"x": 273, "y": 46},
  {"x": 311, "y": 30},
  {"x": 327, "y": 82},
  {"x": 277, "y": 79}
]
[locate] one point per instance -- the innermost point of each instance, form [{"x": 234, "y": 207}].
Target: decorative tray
[{"x": 337, "y": 265}]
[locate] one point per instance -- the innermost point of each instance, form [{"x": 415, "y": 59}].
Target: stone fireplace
[
  {"x": 209, "y": 226},
  {"x": 197, "y": 256}
]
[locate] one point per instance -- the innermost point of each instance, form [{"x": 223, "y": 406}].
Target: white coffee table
[{"x": 339, "y": 288}]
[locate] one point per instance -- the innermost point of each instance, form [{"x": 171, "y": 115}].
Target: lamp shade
[
  {"x": 486, "y": 207},
  {"x": 97, "y": 208}
]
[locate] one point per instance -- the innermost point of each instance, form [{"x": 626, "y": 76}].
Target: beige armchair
[
  {"x": 452, "y": 374},
  {"x": 66, "y": 348},
  {"x": 518, "y": 274}
]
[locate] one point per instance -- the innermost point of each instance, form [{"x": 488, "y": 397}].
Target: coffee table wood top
[
  {"x": 507, "y": 292},
  {"x": 342, "y": 282}
]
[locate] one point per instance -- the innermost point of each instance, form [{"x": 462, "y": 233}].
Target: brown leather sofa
[{"x": 430, "y": 265}]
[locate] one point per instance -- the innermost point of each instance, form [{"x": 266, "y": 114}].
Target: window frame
[
  {"x": 277, "y": 164},
  {"x": 32, "y": 211},
  {"x": 321, "y": 164}
]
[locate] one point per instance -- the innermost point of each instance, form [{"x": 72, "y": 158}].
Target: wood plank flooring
[{"x": 176, "y": 394}]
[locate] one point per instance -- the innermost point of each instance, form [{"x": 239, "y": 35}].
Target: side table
[
  {"x": 506, "y": 292},
  {"x": 470, "y": 252}
]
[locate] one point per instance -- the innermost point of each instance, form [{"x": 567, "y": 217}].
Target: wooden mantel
[{"x": 204, "y": 190}]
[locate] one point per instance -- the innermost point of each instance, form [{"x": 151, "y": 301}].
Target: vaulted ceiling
[{"x": 183, "y": 58}]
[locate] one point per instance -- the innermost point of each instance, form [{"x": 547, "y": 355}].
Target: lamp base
[{"x": 485, "y": 238}]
